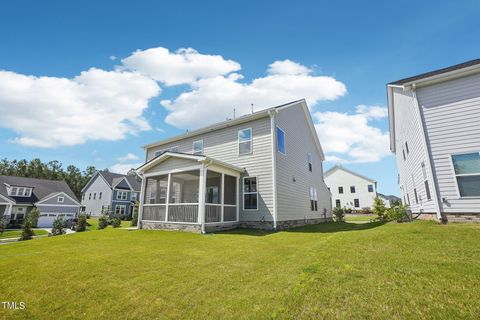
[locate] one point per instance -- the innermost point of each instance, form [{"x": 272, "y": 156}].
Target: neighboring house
[
  {"x": 435, "y": 134},
  {"x": 18, "y": 196},
  {"x": 349, "y": 189},
  {"x": 110, "y": 193},
  {"x": 262, "y": 170},
  {"x": 388, "y": 200}
]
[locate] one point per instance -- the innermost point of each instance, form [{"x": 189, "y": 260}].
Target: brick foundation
[
  {"x": 151, "y": 225},
  {"x": 450, "y": 217}
]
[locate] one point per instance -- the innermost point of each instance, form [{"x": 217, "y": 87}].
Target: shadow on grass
[{"x": 329, "y": 227}]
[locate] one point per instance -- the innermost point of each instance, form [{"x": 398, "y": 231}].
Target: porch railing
[
  {"x": 188, "y": 213},
  {"x": 154, "y": 213},
  {"x": 213, "y": 213},
  {"x": 183, "y": 213}
]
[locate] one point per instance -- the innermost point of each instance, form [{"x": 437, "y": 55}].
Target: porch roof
[{"x": 194, "y": 157}]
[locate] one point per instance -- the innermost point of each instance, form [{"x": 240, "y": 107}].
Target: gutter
[{"x": 272, "y": 113}]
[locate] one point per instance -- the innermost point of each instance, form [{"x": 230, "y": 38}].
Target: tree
[
  {"x": 82, "y": 223},
  {"x": 102, "y": 222},
  {"x": 57, "y": 228},
  {"x": 379, "y": 208},
  {"x": 27, "y": 232},
  {"x": 339, "y": 214},
  {"x": 4, "y": 220},
  {"x": 34, "y": 215},
  {"x": 135, "y": 215}
]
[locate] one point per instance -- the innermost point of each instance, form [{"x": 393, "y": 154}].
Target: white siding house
[
  {"x": 435, "y": 134},
  {"x": 349, "y": 189},
  {"x": 262, "y": 170}
]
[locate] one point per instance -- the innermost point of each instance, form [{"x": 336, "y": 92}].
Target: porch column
[
  {"x": 238, "y": 199},
  {"x": 142, "y": 197},
  {"x": 167, "y": 201},
  {"x": 222, "y": 198},
  {"x": 201, "y": 195}
]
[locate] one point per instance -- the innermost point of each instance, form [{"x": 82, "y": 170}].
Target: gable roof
[
  {"x": 41, "y": 188},
  {"x": 338, "y": 167},
  {"x": 112, "y": 179},
  {"x": 388, "y": 197},
  {"x": 55, "y": 194}
]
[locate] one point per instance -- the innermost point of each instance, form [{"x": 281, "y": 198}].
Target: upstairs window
[
  {"x": 340, "y": 189},
  {"x": 175, "y": 149},
  {"x": 352, "y": 189},
  {"x": 467, "y": 172},
  {"x": 90, "y": 196},
  {"x": 198, "y": 147},
  {"x": 60, "y": 199},
  {"x": 406, "y": 147},
  {"x": 172, "y": 149},
  {"x": 310, "y": 162},
  {"x": 100, "y": 196},
  {"x": 370, "y": 188},
  {"x": 20, "y": 192},
  {"x": 133, "y": 196},
  {"x": 424, "y": 171},
  {"x": 313, "y": 199},
  {"x": 94, "y": 195},
  {"x": 404, "y": 158},
  {"x": 245, "y": 141},
  {"x": 122, "y": 195},
  {"x": 250, "y": 193},
  {"x": 281, "y": 141}
]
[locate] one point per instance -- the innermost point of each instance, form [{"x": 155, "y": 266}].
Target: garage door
[{"x": 46, "y": 220}]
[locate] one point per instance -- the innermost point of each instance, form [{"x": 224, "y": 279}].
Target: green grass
[
  {"x": 360, "y": 218},
  {"x": 333, "y": 271},
  {"x": 94, "y": 224},
  {"x": 17, "y": 233}
]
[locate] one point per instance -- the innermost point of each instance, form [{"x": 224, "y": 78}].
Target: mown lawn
[
  {"x": 93, "y": 224},
  {"x": 360, "y": 217},
  {"x": 339, "y": 270},
  {"x": 17, "y": 233}
]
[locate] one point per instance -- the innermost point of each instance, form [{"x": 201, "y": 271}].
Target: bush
[
  {"x": 116, "y": 222},
  {"x": 135, "y": 215},
  {"x": 339, "y": 214},
  {"x": 347, "y": 210},
  {"x": 397, "y": 213},
  {"x": 365, "y": 210},
  {"x": 102, "y": 222},
  {"x": 81, "y": 223},
  {"x": 379, "y": 208},
  {"x": 57, "y": 228},
  {"x": 34, "y": 214},
  {"x": 27, "y": 232}
]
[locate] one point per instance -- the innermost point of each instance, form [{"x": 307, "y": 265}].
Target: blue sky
[{"x": 360, "y": 46}]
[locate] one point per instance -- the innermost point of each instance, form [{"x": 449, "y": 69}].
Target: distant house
[
  {"x": 18, "y": 196},
  {"x": 110, "y": 193},
  {"x": 435, "y": 134},
  {"x": 349, "y": 189},
  {"x": 388, "y": 200},
  {"x": 262, "y": 170}
]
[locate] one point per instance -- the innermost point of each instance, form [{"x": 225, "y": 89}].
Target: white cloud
[
  {"x": 123, "y": 168},
  {"x": 349, "y": 137},
  {"x": 113, "y": 58},
  {"x": 183, "y": 66},
  {"x": 288, "y": 67},
  {"x": 213, "y": 99},
  {"x": 95, "y": 105},
  {"x": 128, "y": 157}
]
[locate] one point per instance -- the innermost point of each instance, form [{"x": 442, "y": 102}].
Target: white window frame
[
  {"x": 310, "y": 162},
  {"x": 122, "y": 192},
  {"x": 368, "y": 188},
  {"x": 243, "y": 192},
  {"x": 455, "y": 175},
  {"x": 60, "y": 199},
  {"x": 174, "y": 149},
  {"x": 284, "y": 141},
  {"x": 133, "y": 196},
  {"x": 25, "y": 191},
  {"x": 251, "y": 141},
  {"x": 193, "y": 147},
  {"x": 121, "y": 206},
  {"x": 314, "y": 198}
]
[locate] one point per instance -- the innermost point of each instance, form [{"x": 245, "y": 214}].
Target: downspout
[
  {"x": 272, "y": 113},
  {"x": 201, "y": 202},
  {"x": 427, "y": 153}
]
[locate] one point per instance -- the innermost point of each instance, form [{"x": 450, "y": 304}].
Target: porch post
[
  {"x": 140, "y": 206},
  {"x": 237, "y": 201},
  {"x": 167, "y": 202},
  {"x": 222, "y": 197},
  {"x": 201, "y": 196}
]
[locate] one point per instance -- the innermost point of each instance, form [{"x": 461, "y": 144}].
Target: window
[
  {"x": 281, "y": 141},
  {"x": 313, "y": 199},
  {"x": 122, "y": 195},
  {"x": 90, "y": 196},
  {"x": 406, "y": 147},
  {"x": 416, "y": 195},
  {"x": 133, "y": 196},
  {"x": 310, "y": 161},
  {"x": 83, "y": 196},
  {"x": 427, "y": 190},
  {"x": 172, "y": 149},
  {"x": 156, "y": 190},
  {"x": 352, "y": 189},
  {"x": 404, "y": 158},
  {"x": 370, "y": 188},
  {"x": 337, "y": 203},
  {"x": 60, "y": 199},
  {"x": 94, "y": 195},
  {"x": 245, "y": 141},
  {"x": 198, "y": 147},
  {"x": 19, "y": 192},
  {"x": 340, "y": 189},
  {"x": 356, "y": 203},
  {"x": 120, "y": 210},
  {"x": 408, "y": 199},
  {"x": 467, "y": 171},
  {"x": 175, "y": 149},
  {"x": 100, "y": 196},
  {"x": 250, "y": 193},
  {"x": 424, "y": 171}
]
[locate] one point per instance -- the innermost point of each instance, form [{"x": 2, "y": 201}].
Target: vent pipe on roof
[
  {"x": 252, "y": 107},
  {"x": 233, "y": 113}
]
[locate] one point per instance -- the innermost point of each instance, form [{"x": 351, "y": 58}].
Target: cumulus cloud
[
  {"x": 288, "y": 67},
  {"x": 128, "y": 157},
  {"x": 183, "y": 66},
  {"x": 350, "y": 138},
  {"x": 95, "y": 105},
  {"x": 123, "y": 168}
]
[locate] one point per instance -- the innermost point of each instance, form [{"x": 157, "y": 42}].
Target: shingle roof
[
  {"x": 41, "y": 188},
  {"x": 389, "y": 197},
  {"x": 436, "y": 72},
  {"x": 114, "y": 178}
]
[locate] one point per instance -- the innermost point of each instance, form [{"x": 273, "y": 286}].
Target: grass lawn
[
  {"x": 360, "y": 218},
  {"x": 17, "y": 233},
  {"x": 94, "y": 224},
  {"x": 338, "y": 270}
]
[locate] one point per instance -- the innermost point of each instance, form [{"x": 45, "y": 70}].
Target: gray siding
[
  {"x": 94, "y": 206},
  {"x": 451, "y": 111},
  {"x": 222, "y": 145},
  {"x": 293, "y": 197},
  {"x": 408, "y": 129},
  {"x": 173, "y": 163},
  {"x": 57, "y": 209},
  {"x": 123, "y": 185},
  {"x": 54, "y": 200}
]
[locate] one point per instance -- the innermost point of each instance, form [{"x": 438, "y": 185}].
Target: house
[
  {"x": 435, "y": 135},
  {"x": 110, "y": 193},
  {"x": 388, "y": 199},
  {"x": 262, "y": 170},
  {"x": 349, "y": 189},
  {"x": 19, "y": 195}
]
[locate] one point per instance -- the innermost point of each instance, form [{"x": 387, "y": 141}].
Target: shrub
[
  {"x": 102, "y": 222},
  {"x": 4, "y": 221},
  {"x": 27, "y": 232},
  {"x": 34, "y": 214},
  {"x": 397, "y": 213},
  {"x": 339, "y": 214},
  {"x": 365, "y": 210},
  {"x": 347, "y": 210},
  {"x": 57, "y": 228},
  {"x": 379, "y": 208},
  {"x": 135, "y": 215},
  {"x": 81, "y": 223},
  {"x": 116, "y": 222}
]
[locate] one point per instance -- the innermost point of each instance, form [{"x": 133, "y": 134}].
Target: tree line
[{"x": 53, "y": 170}]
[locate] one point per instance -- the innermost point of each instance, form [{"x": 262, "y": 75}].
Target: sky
[{"x": 90, "y": 82}]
